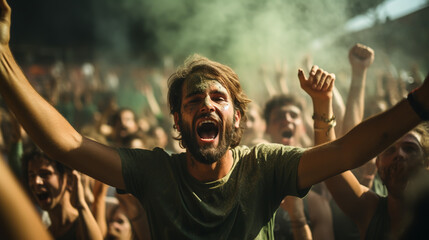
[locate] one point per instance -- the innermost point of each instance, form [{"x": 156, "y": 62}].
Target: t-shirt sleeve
[
  {"x": 282, "y": 166},
  {"x": 138, "y": 166},
  {"x": 130, "y": 165}
]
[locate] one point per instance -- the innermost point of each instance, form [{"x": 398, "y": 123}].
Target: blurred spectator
[
  {"x": 58, "y": 190},
  {"x": 254, "y": 131}
]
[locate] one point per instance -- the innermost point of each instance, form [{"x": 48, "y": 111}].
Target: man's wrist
[
  {"x": 324, "y": 118},
  {"x": 323, "y": 105},
  {"x": 359, "y": 71},
  {"x": 324, "y": 123}
]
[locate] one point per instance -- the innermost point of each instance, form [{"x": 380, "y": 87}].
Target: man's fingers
[
  {"x": 317, "y": 78},
  {"x": 361, "y": 51},
  {"x": 4, "y": 10},
  {"x": 329, "y": 83},
  {"x": 312, "y": 74},
  {"x": 4, "y": 4},
  {"x": 322, "y": 80},
  {"x": 301, "y": 76}
]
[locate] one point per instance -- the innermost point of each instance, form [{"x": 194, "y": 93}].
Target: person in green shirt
[{"x": 215, "y": 189}]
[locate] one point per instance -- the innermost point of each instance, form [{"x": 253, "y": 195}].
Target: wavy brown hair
[
  {"x": 209, "y": 69},
  {"x": 423, "y": 130}
]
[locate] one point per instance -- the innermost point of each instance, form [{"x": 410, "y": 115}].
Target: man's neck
[{"x": 209, "y": 172}]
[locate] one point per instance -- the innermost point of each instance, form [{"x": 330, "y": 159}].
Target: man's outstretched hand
[{"x": 5, "y": 12}]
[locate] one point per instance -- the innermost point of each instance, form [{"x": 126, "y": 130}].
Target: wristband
[
  {"x": 321, "y": 118},
  {"x": 330, "y": 121},
  {"x": 417, "y": 107}
]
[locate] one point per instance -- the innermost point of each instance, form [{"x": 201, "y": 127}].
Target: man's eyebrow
[
  {"x": 217, "y": 91},
  {"x": 196, "y": 92},
  {"x": 193, "y": 93},
  {"x": 410, "y": 142},
  {"x": 416, "y": 140}
]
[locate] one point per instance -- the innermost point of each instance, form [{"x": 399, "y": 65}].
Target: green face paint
[
  {"x": 206, "y": 98},
  {"x": 197, "y": 86},
  {"x": 197, "y": 83}
]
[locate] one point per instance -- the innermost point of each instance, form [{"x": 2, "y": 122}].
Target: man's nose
[
  {"x": 400, "y": 154},
  {"x": 288, "y": 117},
  {"x": 38, "y": 180},
  {"x": 207, "y": 105}
]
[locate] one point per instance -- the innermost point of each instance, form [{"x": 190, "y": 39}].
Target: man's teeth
[{"x": 206, "y": 121}]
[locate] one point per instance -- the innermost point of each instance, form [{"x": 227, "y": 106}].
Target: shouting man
[{"x": 216, "y": 189}]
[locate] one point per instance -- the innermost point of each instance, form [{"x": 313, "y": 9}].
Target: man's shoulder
[
  {"x": 266, "y": 150},
  {"x": 266, "y": 147},
  {"x": 157, "y": 155},
  {"x": 139, "y": 151},
  {"x": 142, "y": 168}
]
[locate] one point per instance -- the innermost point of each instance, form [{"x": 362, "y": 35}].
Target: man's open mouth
[
  {"x": 207, "y": 130},
  {"x": 42, "y": 196},
  {"x": 287, "y": 134}
]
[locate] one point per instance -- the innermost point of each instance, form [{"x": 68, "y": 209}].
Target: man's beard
[{"x": 207, "y": 154}]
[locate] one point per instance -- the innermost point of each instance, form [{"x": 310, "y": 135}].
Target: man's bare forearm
[
  {"x": 355, "y": 101},
  {"x": 360, "y": 144}
]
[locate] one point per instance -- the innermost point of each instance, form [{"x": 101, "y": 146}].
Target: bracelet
[
  {"x": 326, "y": 129},
  {"x": 322, "y": 118},
  {"x": 330, "y": 121},
  {"x": 417, "y": 107}
]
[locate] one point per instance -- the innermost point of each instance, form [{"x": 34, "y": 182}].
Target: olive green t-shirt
[{"x": 241, "y": 205}]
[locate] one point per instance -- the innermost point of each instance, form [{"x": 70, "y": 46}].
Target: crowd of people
[{"x": 139, "y": 153}]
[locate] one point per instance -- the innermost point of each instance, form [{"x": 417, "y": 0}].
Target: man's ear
[
  {"x": 237, "y": 116},
  {"x": 176, "y": 121}
]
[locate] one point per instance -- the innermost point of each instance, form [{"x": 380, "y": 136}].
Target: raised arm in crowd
[{"x": 216, "y": 189}]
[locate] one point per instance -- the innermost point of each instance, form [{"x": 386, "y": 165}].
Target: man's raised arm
[
  {"x": 360, "y": 57},
  {"x": 364, "y": 141},
  {"x": 46, "y": 127},
  {"x": 345, "y": 188}
]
